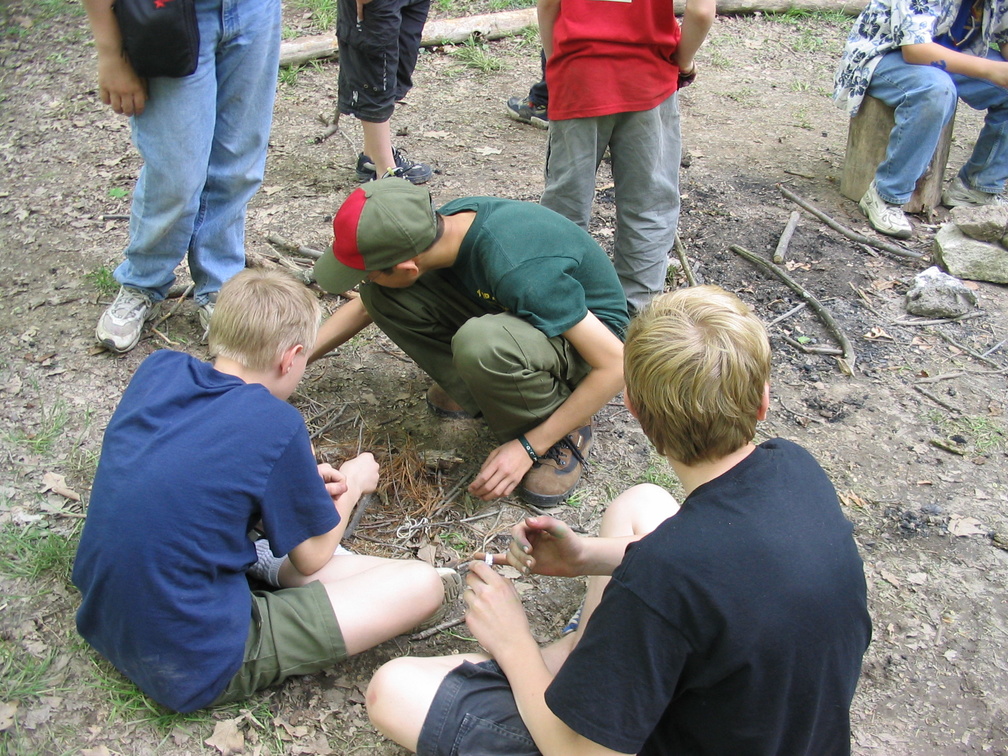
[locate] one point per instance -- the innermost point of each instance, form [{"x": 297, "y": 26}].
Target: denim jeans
[
  {"x": 646, "y": 148},
  {"x": 924, "y": 98},
  {"x": 203, "y": 142}
]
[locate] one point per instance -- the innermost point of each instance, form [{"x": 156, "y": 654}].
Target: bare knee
[{"x": 638, "y": 511}]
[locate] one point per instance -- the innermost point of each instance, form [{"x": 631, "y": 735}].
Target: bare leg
[
  {"x": 374, "y": 599},
  {"x": 378, "y": 145},
  {"x": 401, "y": 692},
  {"x": 636, "y": 511}
]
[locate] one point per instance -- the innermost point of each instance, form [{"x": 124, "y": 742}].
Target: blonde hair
[
  {"x": 696, "y": 361},
  {"x": 260, "y": 313}
]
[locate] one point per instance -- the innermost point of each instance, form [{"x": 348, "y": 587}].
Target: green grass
[
  {"x": 476, "y": 55},
  {"x": 529, "y": 37},
  {"x": 22, "y": 675},
  {"x": 500, "y": 5},
  {"x": 660, "y": 472},
  {"x": 981, "y": 433},
  {"x": 52, "y": 421},
  {"x": 289, "y": 75},
  {"x": 323, "y": 12},
  {"x": 101, "y": 278},
  {"x": 31, "y": 552}
]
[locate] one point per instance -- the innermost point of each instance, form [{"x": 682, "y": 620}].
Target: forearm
[
  {"x": 597, "y": 388},
  {"x": 344, "y": 324},
  {"x": 953, "y": 61},
  {"x": 104, "y": 27},
  {"x": 547, "y": 10},
  {"x": 312, "y": 554},
  {"x": 697, "y": 20},
  {"x": 603, "y": 555}
]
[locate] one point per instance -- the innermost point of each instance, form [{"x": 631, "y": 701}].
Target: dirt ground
[{"x": 914, "y": 440}]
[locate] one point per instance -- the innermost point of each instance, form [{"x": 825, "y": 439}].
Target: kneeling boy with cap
[{"x": 513, "y": 310}]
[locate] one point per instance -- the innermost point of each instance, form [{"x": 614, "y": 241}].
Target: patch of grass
[
  {"x": 288, "y": 75},
  {"x": 22, "y": 675},
  {"x": 719, "y": 60},
  {"x": 101, "y": 278},
  {"x": 323, "y": 12},
  {"x": 802, "y": 119},
  {"x": 118, "y": 192},
  {"x": 457, "y": 543},
  {"x": 474, "y": 54},
  {"x": 800, "y": 86},
  {"x": 59, "y": 8},
  {"x": 529, "y": 37},
  {"x": 984, "y": 434},
  {"x": 31, "y": 552},
  {"x": 660, "y": 472},
  {"x": 742, "y": 96},
  {"x": 499, "y": 5},
  {"x": 288, "y": 32},
  {"x": 53, "y": 419}
]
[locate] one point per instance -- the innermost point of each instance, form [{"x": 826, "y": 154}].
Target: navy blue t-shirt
[
  {"x": 192, "y": 458},
  {"x": 736, "y": 627}
]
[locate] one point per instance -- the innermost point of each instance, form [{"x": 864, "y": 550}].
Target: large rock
[
  {"x": 969, "y": 258},
  {"x": 987, "y": 223},
  {"x": 938, "y": 295}
]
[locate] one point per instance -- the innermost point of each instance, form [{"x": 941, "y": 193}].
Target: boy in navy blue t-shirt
[{"x": 193, "y": 458}]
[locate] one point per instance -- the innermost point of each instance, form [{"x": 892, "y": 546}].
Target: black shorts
[
  {"x": 377, "y": 55},
  {"x": 474, "y": 711}
]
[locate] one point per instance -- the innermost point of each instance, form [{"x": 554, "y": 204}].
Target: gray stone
[
  {"x": 987, "y": 223},
  {"x": 938, "y": 295},
  {"x": 968, "y": 258}
]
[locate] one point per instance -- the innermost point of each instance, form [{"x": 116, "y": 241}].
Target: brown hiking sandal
[
  {"x": 443, "y": 405},
  {"x": 552, "y": 479}
]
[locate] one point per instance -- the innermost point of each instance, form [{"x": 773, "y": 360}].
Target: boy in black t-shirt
[{"x": 735, "y": 626}]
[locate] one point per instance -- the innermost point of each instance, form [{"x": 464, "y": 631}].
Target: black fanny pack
[{"x": 160, "y": 37}]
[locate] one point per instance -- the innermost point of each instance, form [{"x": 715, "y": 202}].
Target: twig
[
  {"x": 785, "y": 237},
  {"x": 363, "y": 504},
  {"x": 994, "y": 348},
  {"x": 331, "y": 422},
  {"x": 797, "y": 415},
  {"x": 178, "y": 303},
  {"x": 936, "y": 400},
  {"x": 788, "y": 314},
  {"x": 846, "y": 362},
  {"x": 812, "y": 348},
  {"x": 864, "y": 299},
  {"x": 853, "y": 235},
  {"x": 446, "y": 625},
  {"x": 681, "y": 253},
  {"x": 947, "y": 447},
  {"x": 115, "y": 217},
  {"x": 936, "y": 378},
  {"x": 938, "y": 321},
  {"x": 386, "y": 544},
  {"x": 166, "y": 340},
  {"x": 970, "y": 352},
  {"x": 296, "y": 249}
]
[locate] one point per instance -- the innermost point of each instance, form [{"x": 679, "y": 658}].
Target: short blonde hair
[
  {"x": 696, "y": 361},
  {"x": 260, "y": 313}
]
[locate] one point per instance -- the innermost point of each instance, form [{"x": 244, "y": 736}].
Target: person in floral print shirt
[{"x": 919, "y": 57}]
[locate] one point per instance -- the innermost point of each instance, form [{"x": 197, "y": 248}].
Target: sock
[{"x": 267, "y": 567}]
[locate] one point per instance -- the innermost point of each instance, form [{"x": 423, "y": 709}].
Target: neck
[
  {"x": 445, "y": 250},
  {"x": 231, "y": 367},
  {"x": 694, "y": 476}
]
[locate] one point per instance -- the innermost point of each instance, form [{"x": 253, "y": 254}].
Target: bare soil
[{"x": 930, "y": 519}]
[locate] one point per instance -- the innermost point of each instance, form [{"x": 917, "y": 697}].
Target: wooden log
[
  {"x": 295, "y": 52},
  {"x": 867, "y": 139},
  {"x": 785, "y": 237}
]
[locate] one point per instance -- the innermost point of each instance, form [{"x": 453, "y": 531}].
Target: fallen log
[{"x": 455, "y": 31}]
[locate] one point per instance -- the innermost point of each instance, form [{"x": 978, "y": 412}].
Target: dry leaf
[
  {"x": 99, "y": 751},
  {"x": 877, "y": 332},
  {"x": 436, "y": 134},
  {"x": 427, "y": 553},
  {"x": 965, "y": 526},
  {"x": 7, "y": 713},
  {"x": 227, "y": 738},
  {"x": 487, "y": 151},
  {"x": 57, "y": 484},
  {"x": 890, "y": 578},
  {"x": 917, "y": 578}
]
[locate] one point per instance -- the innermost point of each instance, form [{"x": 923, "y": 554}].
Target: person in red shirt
[{"x": 613, "y": 69}]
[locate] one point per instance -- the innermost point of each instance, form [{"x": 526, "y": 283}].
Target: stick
[
  {"x": 447, "y": 624},
  {"x": 947, "y": 447},
  {"x": 812, "y": 348},
  {"x": 938, "y": 321},
  {"x": 681, "y": 253},
  {"x": 363, "y": 504},
  {"x": 970, "y": 352},
  {"x": 785, "y": 237},
  {"x": 175, "y": 306},
  {"x": 853, "y": 235},
  {"x": 788, "y": 314},
  {"x": 296, "y": 249},
  {"x": 846, "y": 362},
  {"x": 936, "y": 400},
  {"x": 943, "y": 377}
]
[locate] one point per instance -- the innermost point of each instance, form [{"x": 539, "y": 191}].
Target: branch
[
  {"x": 785, "y": 237},
  {"x": 681, "y": 253},
  {"x": 846, "y": 362}
]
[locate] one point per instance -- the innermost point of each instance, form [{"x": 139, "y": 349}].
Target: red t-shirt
[{"x": 611, "y": 56}]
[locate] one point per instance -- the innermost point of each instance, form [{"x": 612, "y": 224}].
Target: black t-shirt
[{"x": 736, "y": 627}]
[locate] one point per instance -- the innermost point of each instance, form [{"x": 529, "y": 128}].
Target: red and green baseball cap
[{"x": 380, "y": 225}]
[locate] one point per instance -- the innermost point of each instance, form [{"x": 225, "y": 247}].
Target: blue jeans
[
  {"x": 924, "y": 98},
  {"x": 203, "y": 142},
  {"x": 646, "y": 149}
]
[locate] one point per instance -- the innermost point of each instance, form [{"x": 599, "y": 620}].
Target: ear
[
  {"x": 288, "y": 356},
  {"x": 764, "y": 403},
  {"x": 409, "y": 265}
]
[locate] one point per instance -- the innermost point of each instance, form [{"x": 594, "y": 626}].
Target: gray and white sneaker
[
  {"x": 957, "y": 194},
  {"x": 120, "y": 325},
  {"x": 885, "y": 217},
  {"x": 205, "y": 313}
]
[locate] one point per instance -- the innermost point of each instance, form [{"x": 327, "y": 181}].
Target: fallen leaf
[
  {"x": 890, "y": 578},
  {"x": 487, "y": 151},
  {"x": 965, "y": 526},
  {"x": 57, "y": 484},
  {"x": 877, "y": 332},
  {"x": 99, "y": 751},
  {"x": 7, "y": 712},
  {"x": 436, "y": 134},
  {"x": 227, "y": 738},
  {"x": 917, "y": 578},
  {"x": 427, "y": 553}
]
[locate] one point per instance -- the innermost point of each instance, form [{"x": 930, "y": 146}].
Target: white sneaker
[
  {"x": 959, "y": 195},
  {"x": 884, "y": 217},
  {"x": 120, "y": 325},
  {"x": 205, "y": 313}
]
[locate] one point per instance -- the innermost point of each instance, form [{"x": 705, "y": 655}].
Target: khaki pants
[{"x": 491, "y": 363}]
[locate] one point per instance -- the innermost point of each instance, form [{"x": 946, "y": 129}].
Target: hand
[
  {"x": 119, "y": 86},
  {"x": 361, "y": 473},
  {"x": 495, "y": 614},
  {"x": 335, "y": 481},
  {"x": 360, "y": 9},
  {"x": 687, "y": 75},
  {"x": 546, "y": 546},
  {"x": 502, "y": 471}
]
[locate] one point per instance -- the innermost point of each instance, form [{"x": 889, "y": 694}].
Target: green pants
[{"x": 489, "y": 362}]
